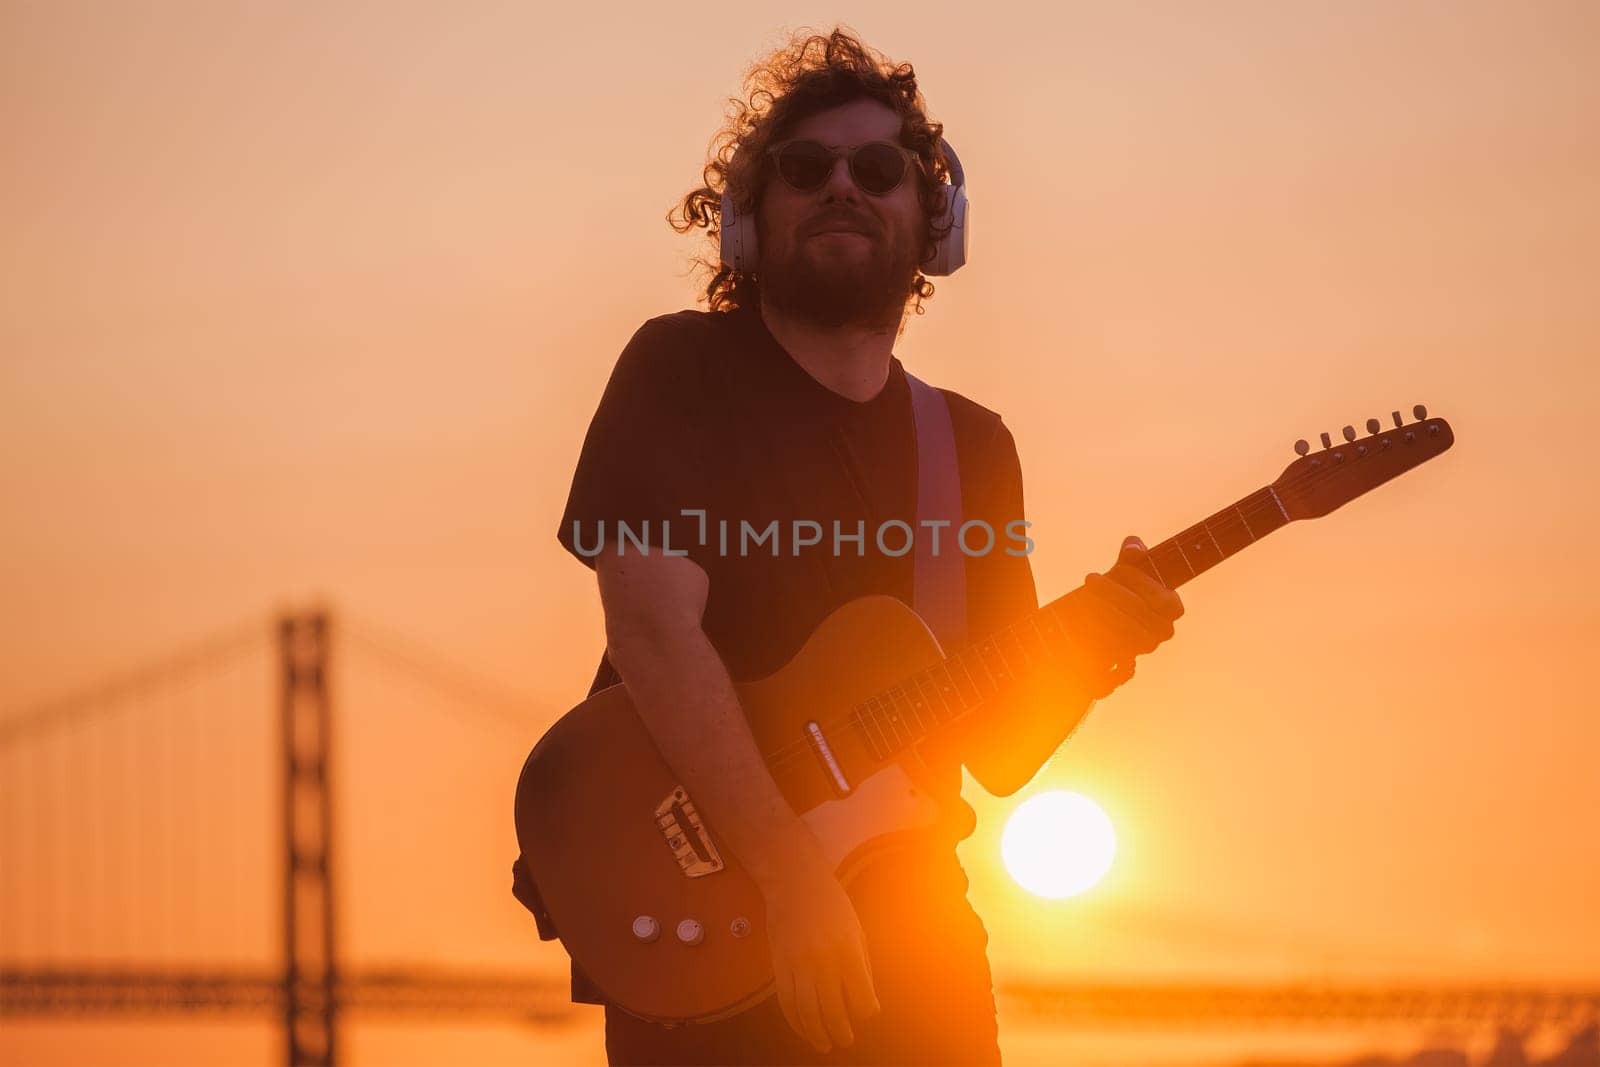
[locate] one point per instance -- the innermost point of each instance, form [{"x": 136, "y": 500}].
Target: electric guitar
[{"x": 663, "y": 919}]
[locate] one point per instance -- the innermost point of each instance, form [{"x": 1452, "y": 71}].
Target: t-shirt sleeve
[{"x": 644, "y": 457}]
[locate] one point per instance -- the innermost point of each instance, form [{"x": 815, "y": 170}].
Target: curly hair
[{"x": 814, "y": 73}]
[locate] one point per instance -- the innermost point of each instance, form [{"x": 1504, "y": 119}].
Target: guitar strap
[{"x": 939, "y": 581}]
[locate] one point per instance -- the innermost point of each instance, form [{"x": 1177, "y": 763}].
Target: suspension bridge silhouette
[{"x": 143, "y": 818}]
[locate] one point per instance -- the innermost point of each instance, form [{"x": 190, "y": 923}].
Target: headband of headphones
[{"x": 739, "y": 249}]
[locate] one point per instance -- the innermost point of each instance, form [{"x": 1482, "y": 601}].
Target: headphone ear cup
[
  {"x": 951, "y": 251},
  {"x": 738, "y": 237}
]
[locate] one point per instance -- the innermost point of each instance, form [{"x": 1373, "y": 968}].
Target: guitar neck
[
  {"x": 1212, "y": 540},
  {"x": 932, "y": 699}
]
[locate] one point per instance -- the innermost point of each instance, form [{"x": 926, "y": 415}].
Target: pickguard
[{"x": 884, "y": 803}]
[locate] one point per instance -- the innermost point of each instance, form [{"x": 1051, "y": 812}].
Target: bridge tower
[{"x": 309, "y": 972}]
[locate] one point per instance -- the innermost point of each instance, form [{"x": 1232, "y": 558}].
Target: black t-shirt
[{"x": 705, "y": 411}]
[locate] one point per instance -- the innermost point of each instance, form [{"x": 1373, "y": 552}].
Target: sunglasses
[{"x": 878, "y": 167}]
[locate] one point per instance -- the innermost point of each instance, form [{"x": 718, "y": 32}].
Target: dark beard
[{"x": 870, "y": 293}]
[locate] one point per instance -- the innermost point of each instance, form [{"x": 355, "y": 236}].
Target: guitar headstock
[{"x": 1321, "y": 481}]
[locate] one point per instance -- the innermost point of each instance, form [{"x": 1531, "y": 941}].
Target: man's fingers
[
  {"x": 1155, "y": 596},
  {"x": 1130, "y": 571},
  {"x": 835, "y": 1016},
  {"x": 1119, "y": 615},
  {"x": 812, "y": 1027},
  {"x": 1127, "y": 616},
  {"x": 784, "y": 979},
  {"x": 858, "y": 988},
  {"x": 1120, "y": 593}
]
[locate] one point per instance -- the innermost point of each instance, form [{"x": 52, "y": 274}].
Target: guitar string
[{"x": 788, "y": 752}]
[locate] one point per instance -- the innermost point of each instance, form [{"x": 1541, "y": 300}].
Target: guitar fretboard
[{"x": 913, "y": 710}]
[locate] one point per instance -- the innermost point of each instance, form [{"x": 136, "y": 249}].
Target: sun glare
[{"x": 1058, "y": 844}]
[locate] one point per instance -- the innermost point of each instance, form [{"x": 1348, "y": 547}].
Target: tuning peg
[
  {"x": 1327, "y": 442},
  {"x": 1373, "y": 425},
  {"x": 1350, "y": 434},
  {"x": 1420, "y": 412},
  {"x": 1398, "y": 421},
  {"x": 1301, "y": 447}
]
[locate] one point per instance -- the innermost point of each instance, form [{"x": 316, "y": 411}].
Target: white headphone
[{"x": 740, "y": 252}]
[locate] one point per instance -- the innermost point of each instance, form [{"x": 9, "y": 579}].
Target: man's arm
[
  {"x": 1109, "y": 620},
  {"x": 681, "y": 690},
  {"x": 1020, "y": 734}
]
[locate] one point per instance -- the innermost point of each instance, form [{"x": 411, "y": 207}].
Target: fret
[
  {"x": 1200, "y": 549},
  {"x": 978, "y": 671},
  {"x": 921, "y": 710},
  {"x": 902, "y": 710},
  {"x": 1017, "y": 661},
  {"x": 1041, "y": 653},
  {"x": 869, "y": 728},
  {"x": 945, "y": 683},
  {"x": 967, "y": 691},
  {"x": 1162, "y": 578},
  {"x": 976, "y": 680},
  {"x": 1037, "y": 654},
  {"x": 932, "y": 695},
  {"x": 1178, "y": 544},
  {"x": 1278, "y": 517},
  {"x": 897, "y": 718},
  {"x": 1246, "y": 522},
  {"x": 885, "y": 742},
  {"x": 1230, "y": 531},
  {"x": 889, "y": 722},
  {"x": 863, "y": 721},
  {"x": 942, "y": 712},
  {"x": 1055, "y": 638},
  {"x": 919, "y": 705},
  {"x": 1281, "y": 509},
  {"x": 1266, "y": 511},
  {"x": 1259, "y": 518},
  {"x": 987, "y": 653},
  {"x": 1194, "y": 550},
  {"x": 910, "y": 715},
  {"x": 1033, "y": 624},
  {"x": 1031, "y": 652},
  {"x": 874, "y": 729},
  {"x": 885, "y": 714}
]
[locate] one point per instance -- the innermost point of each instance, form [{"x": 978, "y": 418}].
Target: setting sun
[{"x": 1058, "y": 844}]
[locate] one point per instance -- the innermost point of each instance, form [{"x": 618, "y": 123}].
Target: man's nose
[{"x": 840, "y": 185}]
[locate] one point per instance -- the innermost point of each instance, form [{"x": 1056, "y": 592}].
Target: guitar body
[{"x": 611, "y": 835}]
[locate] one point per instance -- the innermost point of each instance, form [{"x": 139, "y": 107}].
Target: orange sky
[{"x": 298, "y": 301}]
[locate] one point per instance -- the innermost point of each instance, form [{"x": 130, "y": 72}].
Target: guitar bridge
[{"x": 691, "y": 846}]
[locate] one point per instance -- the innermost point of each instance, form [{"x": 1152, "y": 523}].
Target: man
[{"x": 784, "y": 402}]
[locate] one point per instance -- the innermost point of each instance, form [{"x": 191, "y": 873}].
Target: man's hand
[
  {"x": 1114, "y": 617},
  {"x": 819, "y": 954}
]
